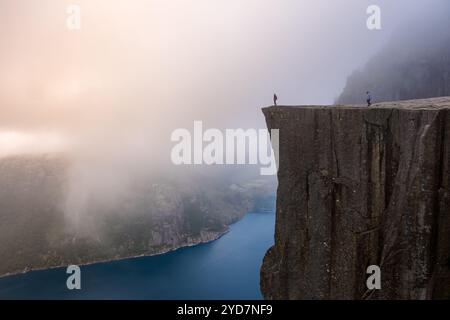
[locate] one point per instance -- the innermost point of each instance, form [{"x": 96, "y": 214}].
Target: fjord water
[{"x": 227, "y": 268}]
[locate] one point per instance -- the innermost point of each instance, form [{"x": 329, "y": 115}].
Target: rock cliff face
[
  {"x": 424, "y": 73},
  {"x": 361, "y": 186},
  {"x": 414, "y": 64}
]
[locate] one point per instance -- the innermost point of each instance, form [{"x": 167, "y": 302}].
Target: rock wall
[
  {"x": 361, "y": 186},
  {"x": 414, "y": 64}
]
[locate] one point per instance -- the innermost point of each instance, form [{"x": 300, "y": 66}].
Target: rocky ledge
[{"x": 361, "y": 186}]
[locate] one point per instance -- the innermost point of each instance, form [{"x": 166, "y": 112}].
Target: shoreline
[{"x": 219, "y": 235}]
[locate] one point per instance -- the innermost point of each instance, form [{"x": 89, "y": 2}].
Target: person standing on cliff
[
  {"x": 275, "y": 98},
  {"x": 369, "y": 99}
]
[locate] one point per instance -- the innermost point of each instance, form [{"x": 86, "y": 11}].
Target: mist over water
[{"x": 109, "y": 95}]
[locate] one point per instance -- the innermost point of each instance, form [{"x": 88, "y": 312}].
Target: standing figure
[
  {"x": 369, "y": 99},
  {"x": 275, "y": 98}
]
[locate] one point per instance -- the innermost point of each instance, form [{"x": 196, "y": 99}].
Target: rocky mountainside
[
  {"x": 357, "y": 187},
  {"x": 415, "y": 64},
  {"x": 152, "y": 217}
]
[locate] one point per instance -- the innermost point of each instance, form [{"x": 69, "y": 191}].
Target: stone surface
[{"x": 361, "y": 186}]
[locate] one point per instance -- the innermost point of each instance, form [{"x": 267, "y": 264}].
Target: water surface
[{"x": 227, "y": 268}]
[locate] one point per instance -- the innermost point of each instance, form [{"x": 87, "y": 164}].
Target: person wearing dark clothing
[
  {"x": 275, "y": 98},
  {"x": 369, "y": 99}
]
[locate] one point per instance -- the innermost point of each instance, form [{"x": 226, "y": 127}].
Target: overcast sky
[
  {"x": 110, "y": 94},
  {"x": 139, "y": 69}
]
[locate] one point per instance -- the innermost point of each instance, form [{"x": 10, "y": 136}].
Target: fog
[{"x": 109, "y": 95}]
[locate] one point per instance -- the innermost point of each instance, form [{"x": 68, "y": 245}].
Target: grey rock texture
[{"x": 361, "y": 186}]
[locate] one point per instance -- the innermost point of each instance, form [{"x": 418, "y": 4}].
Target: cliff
[
  {"x": 414, "y": 64},
  {"x": 361, "y": 186},
  {"x": 396, "y": 75}
]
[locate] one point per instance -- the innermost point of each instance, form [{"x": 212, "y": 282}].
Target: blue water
[{"x": 227, "y": 268}]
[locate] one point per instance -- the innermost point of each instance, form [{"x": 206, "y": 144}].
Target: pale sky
[
  {"x": 110, "y": 94},
  {"x": 139, "y": 69}
]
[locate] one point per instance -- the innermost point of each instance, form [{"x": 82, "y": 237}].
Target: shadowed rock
[{"x": 361, "y": 186}]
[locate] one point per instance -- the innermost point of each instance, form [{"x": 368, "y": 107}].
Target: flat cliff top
[
  {"x": 361, "y": 186},
  {"x": 419, "y": 104}
]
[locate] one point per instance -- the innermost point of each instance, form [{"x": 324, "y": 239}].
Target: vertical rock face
[{"x": 357, "y": 187}]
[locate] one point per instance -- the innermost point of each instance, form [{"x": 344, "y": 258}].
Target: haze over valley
[{"x": 86, "y": 115}]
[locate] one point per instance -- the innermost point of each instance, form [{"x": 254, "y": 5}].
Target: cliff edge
[{"x": 357, "y": 187}]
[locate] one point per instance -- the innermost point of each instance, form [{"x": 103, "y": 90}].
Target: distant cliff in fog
[{"x": 414, "y": 65}]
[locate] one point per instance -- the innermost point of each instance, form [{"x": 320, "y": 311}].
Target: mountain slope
[{"x": 152, "y": 216}]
